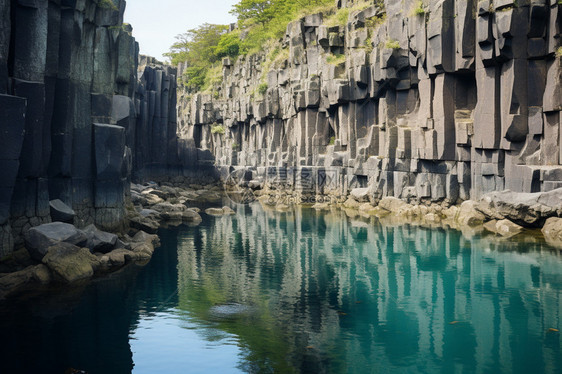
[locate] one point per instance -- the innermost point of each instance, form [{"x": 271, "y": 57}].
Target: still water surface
[{"x": 271, "y": 292}]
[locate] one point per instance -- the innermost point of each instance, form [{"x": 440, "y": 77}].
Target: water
[{"x": 270, "y": 292}]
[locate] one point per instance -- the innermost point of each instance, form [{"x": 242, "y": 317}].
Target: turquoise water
[{"x": 271, "y": 292}]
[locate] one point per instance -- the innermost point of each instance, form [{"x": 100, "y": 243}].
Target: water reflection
[
  {"x": 333, "y": 294},
  {"x": 301, "y": 291}
]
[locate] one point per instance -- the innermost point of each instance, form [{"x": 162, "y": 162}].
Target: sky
[{"x": 156, "y": 22}]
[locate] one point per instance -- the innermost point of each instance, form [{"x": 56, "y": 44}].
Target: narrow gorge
[
  {"x": 350, "y": 186},
  {"x": 434, "y": 102},
  {"x": 430, "y": 102}
]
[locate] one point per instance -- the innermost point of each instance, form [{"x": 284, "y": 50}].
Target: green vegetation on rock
[
  {"x": 217, "y": 129},
  {"x": 335, "y": 59},
  {"x": 262, "y": 88},
  {"x": 259, "y": 21},
  {"x": 392, "y": 44},
  {"x": 418, "y": 9},
  {"x": 261, "y": 25},
  {"x": 107, "y": 4}
]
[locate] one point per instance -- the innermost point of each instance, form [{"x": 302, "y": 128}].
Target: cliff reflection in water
[{"x": 315, "y": 292}]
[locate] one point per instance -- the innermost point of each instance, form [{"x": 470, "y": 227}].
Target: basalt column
[{"x": 438, "y": 100}]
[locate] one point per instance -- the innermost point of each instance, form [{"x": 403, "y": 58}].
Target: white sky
[{"x": 156, "y": 22}]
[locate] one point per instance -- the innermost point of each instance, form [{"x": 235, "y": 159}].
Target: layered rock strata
[{"x": 438, "y": 100}]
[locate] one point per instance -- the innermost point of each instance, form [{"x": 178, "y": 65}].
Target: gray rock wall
[
  {"x": 68, "y": 113},
  {"x": 61, "y": 62},
  {"x": 445, "y": 104}
]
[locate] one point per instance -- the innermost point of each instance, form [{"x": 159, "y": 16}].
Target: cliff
[
  {"x": 434, "y": 100},
  {"x": 74, "y": 120}
]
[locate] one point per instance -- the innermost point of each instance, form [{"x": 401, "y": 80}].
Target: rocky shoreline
[
  {"x": 505, "y": 214},
  {"x": 59, "y": 253}
]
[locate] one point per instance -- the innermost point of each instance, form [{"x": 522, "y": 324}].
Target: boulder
[
  {"x": 38, "y": 239},
  {"x": 60, "y": 212},
  {"x": 552, "y": 231},
  {"x": 71, "y": 263},
  {"x": 118, "y": 257},
  {"x": 351, "y": 203},
  {"x": 394, "y": 205},
  {"x": 491, "y": 226},
  {"x": 432, "y": 218},
  {"x": 228, "y": 210},
  {"x": 528, "y": 209},
  {"x": 149, "y": 212},
  {"x": 170, "y": 212},
  {"x": 143, "y": 251},
  {"x": 368, "y": 208},
  {"x": 360, "y": 194},
  {"x": 11, "y": 282},
  {"x": 151, "y": 199},
  {"x": 100, "y": 241},
  {"x": 191, "y": 216},
  {"x": 467, "y": 215},
  {"x": 214, "y": 211},
  {"x": 143, "y": 237},
  {"x": 147, "y": 224},
  {"x": 507, "y": 229}
]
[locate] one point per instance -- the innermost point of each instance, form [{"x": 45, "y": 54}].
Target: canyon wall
[
  {"x": 434, "y": 100},
  {"x": 73, "y": 118}
]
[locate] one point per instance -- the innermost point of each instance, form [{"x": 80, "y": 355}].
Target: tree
[
  {"x": 229, "y": 45},
  {"x": 180, "y": 49},
  {"x": 197, "y": 46},
  {"x": 260, "y": 11}
]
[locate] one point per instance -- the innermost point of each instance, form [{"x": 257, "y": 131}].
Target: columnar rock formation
[
  {"x": 68, "y": 113},
  {"x": 439, "y": 99}
]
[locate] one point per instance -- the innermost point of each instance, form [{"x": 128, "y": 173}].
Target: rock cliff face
[
  {"x": 73, "y": 118},
  {"x": 435, "y": 100}
]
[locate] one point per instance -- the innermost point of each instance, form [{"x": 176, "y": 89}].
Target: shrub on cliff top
[{"x": 259, "y": 22}]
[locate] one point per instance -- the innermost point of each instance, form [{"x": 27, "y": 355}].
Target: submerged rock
[
  {"x": 503, "y": 227},
  {"x": 219, "y": 211},
  {"x": 11, "y": 282},
  {"x": 214, "y": 211},
  {"x": 321, "y": 206},
  {"x": 230, "y": 310},
  {"x": 191, "y": 215},
  {"x": 228, "y": 210}
]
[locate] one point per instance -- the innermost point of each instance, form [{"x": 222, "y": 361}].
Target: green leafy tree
[
  {"x": 229, "y": 45},
  {"x": 197, "y": 45},
  {"x": 197, "y": 48},
  {"x": 259, "y": 11}
]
